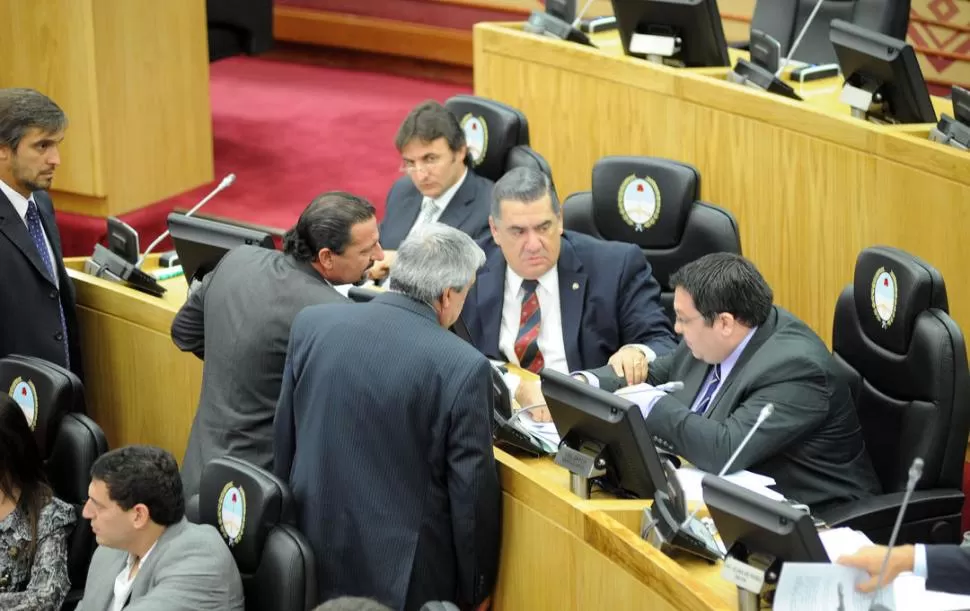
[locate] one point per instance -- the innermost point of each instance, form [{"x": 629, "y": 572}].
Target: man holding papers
[
  {"x": 738, "y": 353},
  {"x": 945, "y": 567}
]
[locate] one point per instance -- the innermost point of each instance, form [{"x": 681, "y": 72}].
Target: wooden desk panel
[{"x": 809, "y": 185}]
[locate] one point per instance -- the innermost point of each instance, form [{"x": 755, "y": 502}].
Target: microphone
[
  {"x": 766, "y": 411},
  {"x": 225, "y": 184},
  {"x": 579, "y": 16},
  {"x": 915, "y": 473},
  {"x": 671, "y": 386},
  {"x": 798, "y": 39}
]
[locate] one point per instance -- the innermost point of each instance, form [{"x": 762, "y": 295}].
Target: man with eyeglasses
[
  {"x": 738, "y": 353},
  {"x": 439, "y": 184}
]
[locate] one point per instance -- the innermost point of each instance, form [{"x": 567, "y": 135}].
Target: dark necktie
[
  {"x": 37, "y": 235},
  {"x": 709, "y": 391},
  {"x": 527, "y": 341}
]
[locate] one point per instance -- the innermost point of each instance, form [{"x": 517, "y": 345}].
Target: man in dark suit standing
[
  {"x": 946, "y": 568},
  {"x": 238, "y": 322},
  {"x": 392, "y": 467},
  {"x": 739, "y": 353},
  {"x": 439, "y": 185},
  {"x": 563, "y": 300},
  {"x": 37, "y": 307}
]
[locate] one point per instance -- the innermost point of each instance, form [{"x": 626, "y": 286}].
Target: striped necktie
[
  {"x": 709, "y": 391},
  {"x": 37, "y": 235},
  {"x": 527, "y": 341}
]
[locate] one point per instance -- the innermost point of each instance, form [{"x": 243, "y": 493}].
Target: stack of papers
[{"x": 690, "y": 480}]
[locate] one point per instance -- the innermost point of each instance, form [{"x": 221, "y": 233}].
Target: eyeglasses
[{"x": 426, "y": 164}]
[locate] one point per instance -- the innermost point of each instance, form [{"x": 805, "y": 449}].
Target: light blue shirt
[{"x": 919, "y": 561}]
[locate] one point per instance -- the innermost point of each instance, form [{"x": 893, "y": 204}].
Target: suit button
[
  {"x": 53, "y": 294},
  {"x": 59, "y": 336}
]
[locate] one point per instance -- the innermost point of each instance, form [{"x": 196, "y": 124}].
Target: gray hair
[
  {"x": 432, "y": 259},
  {"x": 522, "y": 184},
  {"x": 21, "y": 109}
]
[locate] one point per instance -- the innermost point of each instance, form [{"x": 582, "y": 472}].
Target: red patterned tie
[{"x": 527, "y": 341}]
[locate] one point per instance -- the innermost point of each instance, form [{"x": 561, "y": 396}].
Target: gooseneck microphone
[
  {"x": 766, "y": 411},
  {"x": 798, "y": 39},
  {"x": 226, "y": 182},
  {"x": 915, "y": 473}
]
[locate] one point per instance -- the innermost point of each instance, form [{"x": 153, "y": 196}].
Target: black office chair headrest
[
  {"x": 891, "y": 288},
  {"x": 491, "y": 129},
  {"x": 643, "y": 200},
  {"x": 44, "y": 391},
  {"x": 244, "y": 502},
  {"x": 524, "y": 156}
]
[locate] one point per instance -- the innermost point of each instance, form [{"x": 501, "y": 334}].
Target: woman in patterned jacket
[{"x": 34, "y": 525}]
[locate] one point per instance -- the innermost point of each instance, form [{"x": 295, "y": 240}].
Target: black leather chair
[
  {"x": 276, "y": 562},
  {"x": 906, "y": 362},
  {"x": 69, "y": 442},
  {"x": 239, "y": 26},
  {"x": 675, "y": 227},
  {"x": 784, "y": 19},
  {"x": 497, "y": 136}
]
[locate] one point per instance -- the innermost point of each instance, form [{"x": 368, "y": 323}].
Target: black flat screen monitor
[
  {"x": 696, "y": 23},
  {"x": 201, "y": 243},
  {"x": 885, "y": 66},
  {"x": 758, "y": 524},
  {"x": 585, "y": 415},
  {"x": 563, "y": 9}
]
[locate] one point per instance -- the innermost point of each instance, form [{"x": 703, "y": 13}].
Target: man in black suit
[
  {"x": 37, "y": 307},
  {"x": 238, "y": 322},
  {"x": 440, "y": 184},
  {"x": 945, "y": 567},
  {"x": 739, "y": 353},
  {"x": 559, "y": 299},
  {"x": 392, "y": 467}
]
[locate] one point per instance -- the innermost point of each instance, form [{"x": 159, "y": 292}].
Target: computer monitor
[
  {"x": 883, "y": 80},
  {"x": 562, "y": 9},
  {"x": 677, "y": 32},
  {"x": 201, "y": 243},
  {"x": 750, "y": 523},
  {"x": 599, "y": 424}
]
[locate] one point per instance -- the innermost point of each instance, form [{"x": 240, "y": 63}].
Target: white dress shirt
[
  {"x": 432, "y": 209},
  {"x": 20, "y": 205},
  {"x": 550, "y": 339},
  {"x": 125, "y": 580}
]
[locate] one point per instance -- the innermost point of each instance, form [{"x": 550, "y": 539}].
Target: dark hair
[
  {"x": 21, "y": 109},
  {"x": 326, "y": 223},
  {"x": 522, "y": 184},
  {"x": 429, "y": 121},
  {"x": 145, "y": 475},
  {"x": 21, "y": 466},
  {"x": 351, "y": 603},
  {"x": 726, "y": 283}
]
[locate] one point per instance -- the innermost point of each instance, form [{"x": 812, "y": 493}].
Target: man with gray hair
[
  {"x": 383, "y": 431},
  {"x": 37, "y": 303}
]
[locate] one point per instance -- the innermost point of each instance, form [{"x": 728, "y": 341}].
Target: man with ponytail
[{"x": 238, "y": 322}]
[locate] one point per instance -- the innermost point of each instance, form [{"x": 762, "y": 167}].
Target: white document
[
  {"x": 911, "y": 593},
  {"x": 842, "y": 542},
  {"x": 690, "y": 480},
  {"x": 806, "y": 586}
]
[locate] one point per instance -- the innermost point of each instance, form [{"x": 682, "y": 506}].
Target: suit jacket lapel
[
  {"x": 572, "y": 298},
  {"x": 460, "y": 206},
  {"x": 14, "y": 228},
  {"x": 490, "y": 296},
  {"x": 693, "y": 380},
  {"x": 760, "y": 336}
]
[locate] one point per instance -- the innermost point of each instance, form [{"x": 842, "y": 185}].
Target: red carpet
[{"x": 288, "y": 132}]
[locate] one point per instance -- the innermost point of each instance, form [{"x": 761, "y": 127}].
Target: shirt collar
[
  {"x": 19, "y": 201},
  {"x": 441, "y": 202},
  {"x": 548, "y": 280},
  {"x": 728, "y": 364},
  {"x": 141, "y": 563}
]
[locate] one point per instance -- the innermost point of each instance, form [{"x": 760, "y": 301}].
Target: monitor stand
[
  {"x": 655, "y": 48},
  {"x": 865, "y": 101},
  {"x": 583, "y": 464},
  {"x": 754, "y": 574}
]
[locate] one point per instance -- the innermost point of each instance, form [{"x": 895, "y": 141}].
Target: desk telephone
[{"x": 505, "y": 434}]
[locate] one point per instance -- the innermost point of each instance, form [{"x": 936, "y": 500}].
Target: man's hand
[
  {"x": 381, "y": 269},
  {"x": 870, "y": 558},
  {"x": 631, "y": 364},
  {"x": 529, "y": 394}
]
